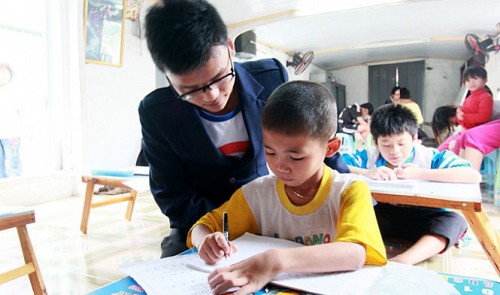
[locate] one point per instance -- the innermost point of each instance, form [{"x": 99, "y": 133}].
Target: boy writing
[
  {"x": 303, "y": 199},
  {"x": 397, "y": 154}
]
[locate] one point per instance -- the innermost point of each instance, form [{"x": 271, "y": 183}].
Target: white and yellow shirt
[{"x": 341, "y": 211}]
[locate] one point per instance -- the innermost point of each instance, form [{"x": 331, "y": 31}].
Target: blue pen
[{"x": 225, "y": 229}]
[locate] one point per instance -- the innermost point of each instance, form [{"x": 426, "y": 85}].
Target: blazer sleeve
[{"x": 168, "y": 183}]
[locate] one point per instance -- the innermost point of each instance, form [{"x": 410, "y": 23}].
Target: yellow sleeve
[
  {"x": 418, "y": 114},
  {"x": 358, "y": 224},
  {"x": 240, "y": 218}
]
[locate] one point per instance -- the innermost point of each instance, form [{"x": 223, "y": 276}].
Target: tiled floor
[{"x": 74, "y": 263}]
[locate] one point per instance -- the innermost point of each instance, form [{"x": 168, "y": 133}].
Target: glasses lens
[{"x": 219, "y": 83}]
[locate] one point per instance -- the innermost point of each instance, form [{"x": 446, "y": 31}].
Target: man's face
[
  {"x": 213, "y": 99},
  {"x": 396, "y": 148}
]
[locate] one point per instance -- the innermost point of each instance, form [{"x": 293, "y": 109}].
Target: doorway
[{"x": 382, "y": 78}]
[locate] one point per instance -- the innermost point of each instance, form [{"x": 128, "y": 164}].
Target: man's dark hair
[
  {"x": 473, "y": 72},
  {"x": 301, "y": 107},
  {"x": 392, "y": 119},
  {"x": 182, "y": 33},
  {"x": 367, "y": 106},
  {"x": 405, "y": 93}
]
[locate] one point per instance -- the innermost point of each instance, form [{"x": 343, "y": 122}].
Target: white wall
[
  {"x": 441, "y": 85},
  {"x": 493, "y": 68},
  {"x": 111, "y": 96}
]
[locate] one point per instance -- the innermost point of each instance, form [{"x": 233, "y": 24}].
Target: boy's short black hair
[
  {"x": 367, "y": 106},
  {"x": 301, "y": 107},
  {"x": 405, "y": 93},
  {"x": 182, "y": 33},
  {"x": 473, "y": 72},
  {"x": 392, "y": 119}
]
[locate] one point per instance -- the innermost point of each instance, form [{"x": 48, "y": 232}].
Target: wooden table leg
[
  {"x": 89, "y": 194},
  {"x": 30, "y": 259},
  {"x": 486, "y": 235},
  {"x": 130, "y": 206}
]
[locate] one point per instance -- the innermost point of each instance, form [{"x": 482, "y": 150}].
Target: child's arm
[
  {"x": 379, "y": 173},
  {"x": 211, "y": 246},
  {"x": 254, "y": 273},
  {"x": 455, "y": 174},
  {"x": 206, "y": 234}
]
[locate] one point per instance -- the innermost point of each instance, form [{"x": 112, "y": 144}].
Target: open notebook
[{"x": 187, "y": 274}]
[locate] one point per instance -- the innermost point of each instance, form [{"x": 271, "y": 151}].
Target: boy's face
[
  {"x": 474, "y": 83},
  {"x": 298, "y": 159},
  {"x": 396, "y": 148}
]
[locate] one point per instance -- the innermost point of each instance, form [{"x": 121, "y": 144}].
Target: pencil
[{"x": 225, "y": 229}]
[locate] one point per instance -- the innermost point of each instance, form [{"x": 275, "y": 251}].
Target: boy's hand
[
  {"x": 381, "y": 173},
  {"x": 250, "y": 275},
  {"x": 409, "y": 171},
  {"x": 213, "y": 247}
]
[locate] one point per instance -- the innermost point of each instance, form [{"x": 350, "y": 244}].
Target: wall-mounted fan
[
  {"x": 300, "y": 61},
  {"x": 479, "y": 49}
]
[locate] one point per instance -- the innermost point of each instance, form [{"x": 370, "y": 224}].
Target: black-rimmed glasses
[{"x": 199, "y": 92}]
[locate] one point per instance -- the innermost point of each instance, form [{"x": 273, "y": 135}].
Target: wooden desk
[
  {"x": 463, "y": 197},
  {"x": 30, "y": 267},
  {"x": 91, "y": 181}
]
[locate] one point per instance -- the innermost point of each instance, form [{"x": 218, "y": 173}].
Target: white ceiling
[{"x": 438, "y": 27}]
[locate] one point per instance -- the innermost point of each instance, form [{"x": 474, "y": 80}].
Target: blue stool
[
  {"x": 489, "y": 172},
  {"x": 347, "y": 146}
]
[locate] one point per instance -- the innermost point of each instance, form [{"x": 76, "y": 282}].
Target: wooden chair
[
  {"x": 30, "y": 267},
  {"x": 91, "y": 181}
]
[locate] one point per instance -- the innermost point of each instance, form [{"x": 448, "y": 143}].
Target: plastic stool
[
  {"x": 489, "y": 172},
  {"x": 347, "y": 146}
]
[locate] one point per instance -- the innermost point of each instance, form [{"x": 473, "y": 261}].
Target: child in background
[
  {"x": 303, "y": 201},
  {"x": 474, "y": 143},
  {"x": 397, "y": 154},
  {"x": 395, "y": 95},
  {"x": 476, "y": 109},
  {"x": 444, "y": 122}
]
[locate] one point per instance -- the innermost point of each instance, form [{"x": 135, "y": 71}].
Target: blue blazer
[{"x": 189, "y": 176}]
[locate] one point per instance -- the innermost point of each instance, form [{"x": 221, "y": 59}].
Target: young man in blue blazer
[{"x": 202, "y": 135}]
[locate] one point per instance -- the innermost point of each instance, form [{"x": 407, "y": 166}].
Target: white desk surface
[{"x": 465, "y": 192}]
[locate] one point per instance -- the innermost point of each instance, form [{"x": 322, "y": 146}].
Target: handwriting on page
[{"x": 169, "y": 276}]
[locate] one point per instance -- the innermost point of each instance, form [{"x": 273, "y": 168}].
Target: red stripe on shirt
[{"x": 234, "y": 148}]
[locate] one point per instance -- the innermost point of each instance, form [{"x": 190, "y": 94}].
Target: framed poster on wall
[{"x": 104, "y": 23}]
